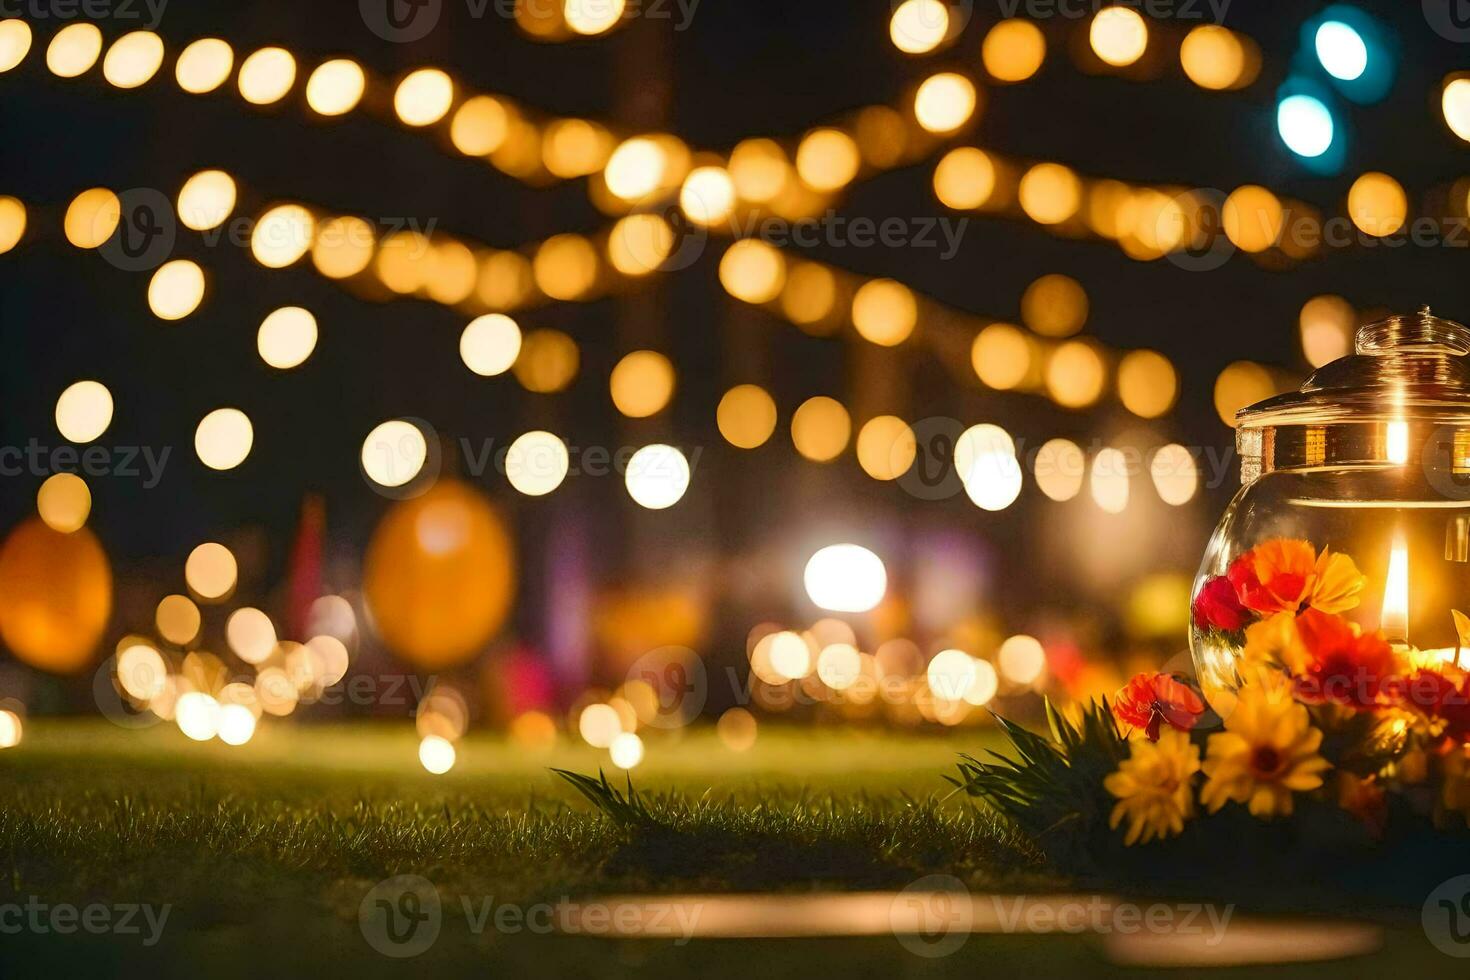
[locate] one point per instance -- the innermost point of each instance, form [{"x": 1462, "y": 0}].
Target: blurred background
[{"x": 588, "y": 368}]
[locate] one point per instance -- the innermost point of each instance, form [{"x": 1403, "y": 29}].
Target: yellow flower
[
  {"x": 1267, "y": 752},
  {"x": 1338, "y": 583},
  {"x": 1275, "y": 642},
  {"x": 1153, "y": 787}
]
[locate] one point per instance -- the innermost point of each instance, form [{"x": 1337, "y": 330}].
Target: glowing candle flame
[{"x": 1395, "y": 620}]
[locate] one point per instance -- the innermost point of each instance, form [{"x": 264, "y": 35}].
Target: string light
[
  {"x": 266, "y": 76},
  {"x": 657, "y": 476},
  {"x": 490, "y": 344},
  {"x": 204, "y": 65},
  {"x": 642, "y": 384},
  {"x": 746, "y": 416},
  {"x": 176, "y": 289},
  {"x": 223, "y": 439},
  {"x": 64, "y": 502},
  {"x": 423, "y": 97},
  {"x": 92, "y": 217},
  {"x": 537, "y": 463},
  {"x": 919, "y": 26},
  {"x": 73, "y": 50},
  {"x": 15, "y": 43},
  {"x": 944, "y": 102},
  {"x": 335, "y": 87},
  {"x": 84, "y": 411},
  {"x": 1377, "y": 204},
  {"x": 885, "y": 312},
  {"x": 286, "y": 337},
  {"x": 820, "y": 429},
  {"x": 1013, "y": 50},
  {"x": 1118, "y": 36},
  {"x": 133, "y": 59},
  {"x": 828, "y": 159},
  {"x": 206, "y": 200}
]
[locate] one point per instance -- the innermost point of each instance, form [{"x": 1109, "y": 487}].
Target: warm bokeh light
[
  {"x": 886, "y": 447},
  {"x": 548, "y": 361},
  {"x": 133, "y": 59},
  {"x": 820, "y": 429},
  {"x": 64, "y": 502},
  {"x": 1454, "y": 102},
  {"x": 788, "y": 655},
  {"x": 177, "y": 619},
  {"x": 1050, "y": 193},
  {"x": 1327, "y": 326},
  {"x": 599, "y": 724},
  {"x": 343, "y": 246},
  {"x": 266, "y": 75},
  {"x": 1055, "y": 306},
  {"x": 15, "y": 42},
  {"x": 964, "y": 179},
  {"x": 919, "y": 26},
  {"x": 1239, "y": 385},
  {"x": 885, "y": 312},
  {"x": 827, "y": 159},
  {"x": 204, "y": 65},
  {"x": 490, "y": 344},
  {"x": 746, "y": 416},
  {"x": 335, "y": 87},
  {"x": 1075, "y": 374},
  {"x": 282, "y": 235},
  {"x": 839, "y": 665},
  {"x": 197, "y": 715},
  {"x": 639, "y": 244},
  {"x": 423, "y": 97},
  {"x": 74, "y": 49},
  {"x": 626, "y": 750},
  {"x": 1109, "y": 480},
  {"x": 657, "y": 476},
  {"x": 251, "y": 635},
  {"x": 636, "y": 168},
  {"x": 141, "y": 672},
  {"x": 480, "y": 126},
  {"x": 759, "y": 169},
  {"x": 945, "y": 102},
  {"x": 1214, "y": 58},
  {"x": 12, "y": 223},
  {"x": 575, "y": 148},
  {"x": 287, "y": 337},
  {"x": 1377, "y": 204},
  {"x": 206, "y": 200},
  {"x": 1175, "y": 474},
  {"x": 211, "y": 571},
  {"x": 950, "y": 674},
  {"x": 1253, "y": 218},
  {"x": 589, "y": 17},
  {"x": 537, "y": 463},
  {"x": 176, "y": 289},
  {"x": 1022, "y": 659},
  {"x": 753, "y": 271},
  {"x": 810, "y": 297},
  {"x": 223, "y": 439},
  {"x": 565, "y": 266},
  {"x": 84, "y": 411},
  {"x": 236, "y": 724},
  {"x": 1060, "y": 468},
  {"x": 91, "y": 217},
  {"x": 11, "y": 729},
  {"x": 1013, "y": 50},
  {"x": 642, "y": 384},
  {"x": 1118, "y": 35},
  {"x": 1147, "y": 383},
  {"x": 394, "y": 452},
  {"x": 436, "y": 755},
  {"x": 737, "y": 730},
  {"x": 708, "y": 195},
  {"x": 1001, "y": 355}
]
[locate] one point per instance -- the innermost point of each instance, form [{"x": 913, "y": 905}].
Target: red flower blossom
[
  {"x": 1274, "y": 576},
  {"x": 1344, "y": 666},
  {"x": 1150, "y": 699},
  {"x": 1433, "y": 695},
  {"x": 1218, "y": 606}
]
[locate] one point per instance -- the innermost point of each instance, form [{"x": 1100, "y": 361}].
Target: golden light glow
[
  {"x": 639, "y": 244},
  {"x": 945, "y": 102},
  {"x": 885, "y": 312},
  {"x": 1059, "y": 469},
  {"x": 452, "y": 272},
  {"x": 565, "y": 266},
  {"x": 636, "y": 168},
  {"x": 1327, "y": 325},
  {"x": 11, "y": 729},
  {"x": 737, "y": 730},
  {"x": 1075, "y": 374},
  {"x": 977, "y": 441},
  {"x": 423, "y": 97},
  {"x": 1013, "y": 50},
  {"x": 204, "y": 65},
  {"x": 575, "y": 148},
  {"x": 335, "y": 87},
  {"x": 919, "y": 26},
  {"x": 287, "y": 337},
  {"x": 642, "y": 384},
  {"x": 759, "y": 169},
  {"x": 266, "y": 76},
  {"x": 1455, "y": 103},
  {"x": 886, "y": 447},
  {"x": 282, "y": 235},
  {"x": 251, "y": 634},
  {"x": 223, "y": 438},
  {"x": 1239, "y": 385},
  {"x": 753, "y": 271},
  {"x": 746, "y": 416},
  {"x": 394, "y": 453},
  {"x": 1147, "y": 383},
  {"x": 176, "y": 289},
  {"x": 708, "y": 195},
  {"x": 343, "y": 247},
  {"x": 810, "y": 297},
  {"x": 236, "y": 724},
  {"x": 73, "y": 50},
  {"x": 989, "y": 470},
  {"x": 537, "y": 463},
  {"x": 591, "y": 17},
  {"x": 1253, "y": 218},
  {"x": 1022, "y": 659},
  {"x": 490, "y": 344},
  {"x": 950, "y": 674},
  {"x": 626, "y": 750},
  {"x": 839, "y": 665},
  {"x": 177, "y": 619},
  {"x": 1055, "y": 306},
  {"x": 141, "y": 672},
  {"x": 1118, "y": 35},
  {"x": 402, "y": 261},
  {"x": 1213, "y": 57},
  {"x": 84, "y": 411},
  {"x": 1398, "y": 442},
  {"x": 15, "y": 42},
  {"x": 64, "y": 502},
  {"x": 820, "y": 429},
  {"x": 197, "y": 715},
  {"x": 133, "y": 59},
  {"x": 92, "y": 217},
  {"x": 211, "y": 571},
  {"x": 548, "y": 361},
  {"x": 657, "y": 476},
  {"x": 1377, "y": 204},
  {"x": 827, "y": 159},
  {"x": 964, "y": 179},
  {"x": 206, "y": 200},
  {"x": 1001, "y": 356},
  {"x": 12, "y": 223},
  {"x": 1395, "y": 619},
  {"x": 1109, "y": 481},
  {"x": 437, "y": 755},
  {"x": 1175, "y": 475},
  {"x": 1050, "y": 193},
  {"x": 506, "y": 280},
  {"x": 789, "y": 656},
  {"x": 480, "y": 126}
]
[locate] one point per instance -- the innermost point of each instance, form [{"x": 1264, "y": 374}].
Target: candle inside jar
[{"x": 1395, "y": 619}]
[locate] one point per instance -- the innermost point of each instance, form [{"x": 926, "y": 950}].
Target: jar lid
[{"x": 1403, "y": 368}]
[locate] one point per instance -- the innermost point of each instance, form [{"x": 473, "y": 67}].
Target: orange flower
[
  {"x": 1151, "y": 700},
  {"x": 1286, "y": 575},
  {"x": 1343, "y": 665}
]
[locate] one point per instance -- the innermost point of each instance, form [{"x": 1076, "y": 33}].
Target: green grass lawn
[{"x": 264, "y": 853}]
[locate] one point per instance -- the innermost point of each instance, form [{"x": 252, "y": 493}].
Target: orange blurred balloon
[
  {"x": 439, "y": 576},
  {"x": 55, "y": 596}
]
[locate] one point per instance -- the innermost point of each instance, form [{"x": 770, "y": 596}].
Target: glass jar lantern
[{"x": 1368, "y": 461}]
